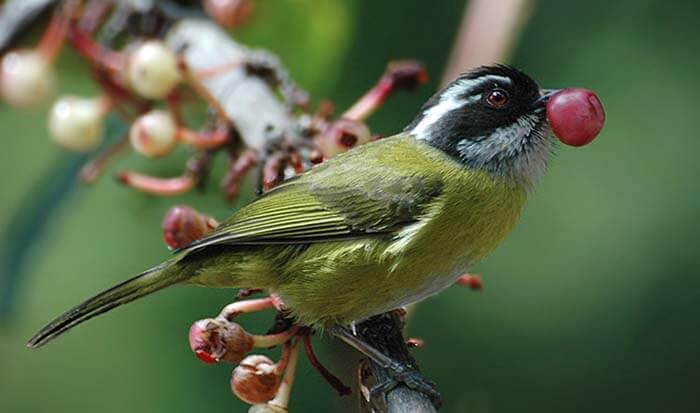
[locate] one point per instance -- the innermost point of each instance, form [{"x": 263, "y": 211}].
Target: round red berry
[{"x": 576, "y": 116}]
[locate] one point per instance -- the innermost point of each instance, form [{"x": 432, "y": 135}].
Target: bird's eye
[{"x": 497, "y": 98}]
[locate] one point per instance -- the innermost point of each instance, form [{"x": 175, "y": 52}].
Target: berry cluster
[{"x": 147, "y": 84}]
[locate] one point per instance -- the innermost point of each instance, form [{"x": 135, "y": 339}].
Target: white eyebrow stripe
[
  {"x": 494, "y": 78},
  {"x": 463, "y": 85},
  {"x": 451, "y": 100}
]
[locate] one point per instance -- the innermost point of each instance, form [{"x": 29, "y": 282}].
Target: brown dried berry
[
  {"x": 255, "y": 379},
  {"x": 183, "y": 225},
  {"x": 213, "y": 340}
]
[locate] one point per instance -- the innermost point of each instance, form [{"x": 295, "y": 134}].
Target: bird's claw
[{"x": 410, "y": 377}]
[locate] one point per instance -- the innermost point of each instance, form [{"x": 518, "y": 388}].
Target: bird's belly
[
  {"x": 356, "y": 284},
  {"x": 434, "y": 283}
]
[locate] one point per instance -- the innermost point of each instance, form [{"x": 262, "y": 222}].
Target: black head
[{"x": 492, "y": 118}]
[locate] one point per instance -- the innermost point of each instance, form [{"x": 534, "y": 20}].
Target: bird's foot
[
  {"x": 394, "y": 372},
  {"x": 404, "y": 374}
]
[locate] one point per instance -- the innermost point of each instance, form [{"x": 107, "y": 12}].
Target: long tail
[{"x": 143, "y": 284}]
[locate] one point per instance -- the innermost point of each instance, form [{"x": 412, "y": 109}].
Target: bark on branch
[
  {"x": 384, "y": 332},
  {"x": 15, "y": 16},
  {"x": 246, "y": 99}
]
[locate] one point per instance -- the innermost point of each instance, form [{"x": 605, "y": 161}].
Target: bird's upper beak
[{"x": 545, "y": 94}]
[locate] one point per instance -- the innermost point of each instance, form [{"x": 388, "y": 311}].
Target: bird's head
[{"x": 492, "y": 118}]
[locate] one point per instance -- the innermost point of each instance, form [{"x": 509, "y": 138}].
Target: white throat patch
[{"x": 523, "y": 142}]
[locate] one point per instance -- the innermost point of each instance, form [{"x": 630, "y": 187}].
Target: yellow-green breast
[{"x": 349, "y": 280}]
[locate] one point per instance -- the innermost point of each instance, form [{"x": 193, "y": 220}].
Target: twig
[
  {"x": 14, "y": 16},
  {"x": 245, "y": 99},
  {"x": 487, "y": 34}
]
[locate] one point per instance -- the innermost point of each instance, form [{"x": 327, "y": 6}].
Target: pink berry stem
[
  {"x": 281, "y": 400},
  {"x": 53, "y": 38},
  {"x": 93, "y": 14},
  {"x": 284, "y": 358},
  {"x": 93, "y": 169},
  {"x": 117, "y": 92},
  {"x": 371, "y": 101},
  {"x": 398, "y": 75},
  {"x": 330, "y": 378},
  {"x": 272, "y": 170},
  {"x": 240, "y": 166},
  {"x": 272, "y": 340},
  {"x": 93, "y": 51},
  {"x": 233, "y": 310},
  {"x": 157, "y": 186},
  {"x": 205, "y": 140}
]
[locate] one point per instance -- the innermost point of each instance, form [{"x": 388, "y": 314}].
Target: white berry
[
  {"x": 26, "y": 78},
  {"x": 77, "y": 123},
  {"x": 152, "y": 70},
  {"x": 153, "y": 134}
]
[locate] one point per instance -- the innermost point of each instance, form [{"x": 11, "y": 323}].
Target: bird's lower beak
[{"x": 545, "y": 94}]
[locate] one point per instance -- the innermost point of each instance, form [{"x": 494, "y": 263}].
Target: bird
[{"x": 384, "y": 225}]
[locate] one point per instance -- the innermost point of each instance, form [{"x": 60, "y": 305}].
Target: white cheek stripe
[
  {"x": 450, "y": 101},
  {"x": 432, "y": 115}
]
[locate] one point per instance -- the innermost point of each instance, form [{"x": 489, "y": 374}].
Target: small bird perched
[{"x": 381, "y": 226}]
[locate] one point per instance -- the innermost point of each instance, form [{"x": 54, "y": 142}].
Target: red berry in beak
[{"x": 575, "y": 115}]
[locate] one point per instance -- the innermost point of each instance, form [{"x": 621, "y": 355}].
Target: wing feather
[{"x": 328, "y": 204}]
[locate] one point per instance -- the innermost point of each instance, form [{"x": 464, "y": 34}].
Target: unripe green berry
[
  {"x": 152, "y": 70},
  {"x": 77, "y": 123},
  {"x": 153, "y": 134},
  {"x": 26, "y": 78}
]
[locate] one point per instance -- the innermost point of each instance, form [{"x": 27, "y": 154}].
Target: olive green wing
[{"x": 353, "y": 196}]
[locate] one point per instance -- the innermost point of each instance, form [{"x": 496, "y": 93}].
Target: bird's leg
[{"x": 398, "y": 371}]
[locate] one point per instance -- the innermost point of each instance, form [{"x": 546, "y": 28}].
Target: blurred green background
[{"x": 592, "y": 304}]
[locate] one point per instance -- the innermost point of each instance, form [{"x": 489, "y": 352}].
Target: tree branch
[
  {"x": 14, "y": 16},
  {"x": 384, "y": 332},
  {"x": 487, "y": 34},
  {"x": 245, "y": 98}
]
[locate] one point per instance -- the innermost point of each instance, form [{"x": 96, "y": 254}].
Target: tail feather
[{"x": 143, "y": 284}]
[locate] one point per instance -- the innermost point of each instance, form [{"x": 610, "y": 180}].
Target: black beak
[{"x": 541, "y": 102}]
